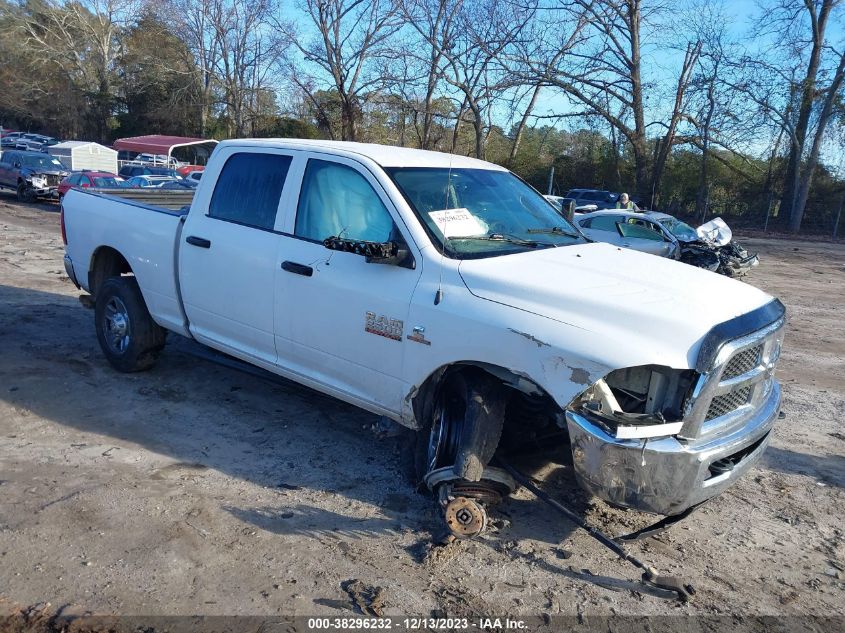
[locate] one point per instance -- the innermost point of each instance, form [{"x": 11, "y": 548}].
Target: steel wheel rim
[
  {"x": 446, "y": 429},
  {"x": 116, "y": 326}
]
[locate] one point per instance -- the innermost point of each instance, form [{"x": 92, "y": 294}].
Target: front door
[
  {"x": 343, "y": 320},
  {"x": 229, "y": 250}
]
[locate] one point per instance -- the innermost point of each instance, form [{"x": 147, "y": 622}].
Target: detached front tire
[
  {"x": 465, "y": 425},
  {"x": 128, "y": 336}
]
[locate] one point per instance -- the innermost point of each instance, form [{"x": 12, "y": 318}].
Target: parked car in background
[
  {"x": 599, "y": 197},
  {"x": 31, "y": 174},
  {"x": 129, "y": 171},
  {"x": 88, "y": 179},
  {"x": 35, "y": 142},
  {"x": 149, "y": 181},
  {"x": 185, "y": 170},
  {"x": 667, "y": 236},
  {"x": 180, "y": 183},
  {"x": 9, "y": 139},
  {"x": 193, "y": 176}
]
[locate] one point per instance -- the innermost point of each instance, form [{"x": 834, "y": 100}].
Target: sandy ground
[{"x": 199, "y": 489}]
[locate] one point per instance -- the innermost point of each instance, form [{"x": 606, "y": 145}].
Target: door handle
[
  {"x": 198, "y": 241},
  {"x": 298, "y": 269}
]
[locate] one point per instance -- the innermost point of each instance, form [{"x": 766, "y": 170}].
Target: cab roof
[{"x": 384, "y": 155}]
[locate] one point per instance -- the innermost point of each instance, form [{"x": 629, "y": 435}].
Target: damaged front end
[
  {"x": 662, "y": 440},
  {"x": 715, "y": 250}
]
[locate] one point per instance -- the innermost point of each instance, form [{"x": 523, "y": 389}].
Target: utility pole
[
  {"x": 838, "y": 215},
  {"x": 768, "y": 213},
  {"x": 551, "y": 179}
]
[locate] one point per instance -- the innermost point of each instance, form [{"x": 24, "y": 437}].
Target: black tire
[
  {"x": 25, "y": 193},
  {"x": 128, "y": 336},
  {"x": 464, "y": 427}
]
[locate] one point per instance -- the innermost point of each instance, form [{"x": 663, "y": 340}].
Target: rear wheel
[{"x": 128, "y": 336}]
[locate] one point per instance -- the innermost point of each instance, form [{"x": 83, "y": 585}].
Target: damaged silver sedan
[{"x": 711, "y": 246}]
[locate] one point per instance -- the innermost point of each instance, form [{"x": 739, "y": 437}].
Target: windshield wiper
[
  {"x": 554, "y": 230},
  {"x": 499, "y": 237}
]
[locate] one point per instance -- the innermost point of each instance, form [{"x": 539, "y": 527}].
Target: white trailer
[{"x": 79, "y": 155}]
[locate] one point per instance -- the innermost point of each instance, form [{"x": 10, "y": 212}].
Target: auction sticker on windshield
[{"x": 457, "y": 223}]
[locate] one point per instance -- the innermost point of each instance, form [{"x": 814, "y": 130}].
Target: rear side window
[
  {"x": 337, "y": 201},
  {"x": 604, "y": 222},
  {"x": 249, "y": 188}
]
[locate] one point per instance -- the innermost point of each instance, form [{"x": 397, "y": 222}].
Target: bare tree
[
  {"x": 195, "y": 22},
  {"x": 350, "y": 40},
  {"x": 796, "y": 92},
  {"x": 80, "y": 39},
  {"x": 434, "y": 22},
  {"x": 598, "y": 64},
  {"x": 523, "y": 121},
  {"x": 466, "y": 40},
  {"x": 802, "y": 25}
]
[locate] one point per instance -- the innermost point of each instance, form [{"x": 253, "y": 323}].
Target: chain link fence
[{"x": 822, "y": 218}]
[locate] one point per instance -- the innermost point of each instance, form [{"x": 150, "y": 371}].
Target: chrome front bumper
[{"x": 668, "y": 475}]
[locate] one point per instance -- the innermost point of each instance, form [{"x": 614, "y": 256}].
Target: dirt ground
[{"x": 199, "y": 489}]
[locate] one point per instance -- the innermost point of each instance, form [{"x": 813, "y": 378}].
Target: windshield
[
  {"x": 481, "y": 212},
  {"x": 679, "y": 229},
  {"x": 40, "y": 162}
]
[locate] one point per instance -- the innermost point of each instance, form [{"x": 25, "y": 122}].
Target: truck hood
[{"x": 655, "y": 310}]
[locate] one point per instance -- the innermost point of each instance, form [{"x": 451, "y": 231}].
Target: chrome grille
[
  {"x": 738, "y": 380},
  {"x": 728, "y": 402},
  {"x": 743, "y": 362}
]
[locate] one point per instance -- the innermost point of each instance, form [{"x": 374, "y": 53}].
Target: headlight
[
  {"x": 640, "y": 402},
  {"x": 39, "y": 181}
]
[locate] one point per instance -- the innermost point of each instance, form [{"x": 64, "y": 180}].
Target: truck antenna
[{"x": 438, "y": 296}]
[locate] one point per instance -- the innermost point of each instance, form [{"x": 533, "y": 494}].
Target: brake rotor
[
  {"x": 480, "y": 492},
  {"x": 465, "y": 518}
]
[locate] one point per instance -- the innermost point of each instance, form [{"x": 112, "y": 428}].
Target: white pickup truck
[{"x": 446, "y": 294}]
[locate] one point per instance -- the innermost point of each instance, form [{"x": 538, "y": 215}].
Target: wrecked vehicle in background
[
  {"x": 443, "y": 293},
  {"x": 710, "y": 246},
  {"x": 31, "y": 174}
]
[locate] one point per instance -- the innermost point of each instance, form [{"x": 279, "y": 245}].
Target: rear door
[
  {"x": 341, "y": 319},
  {"x": 228, "y": 254}
]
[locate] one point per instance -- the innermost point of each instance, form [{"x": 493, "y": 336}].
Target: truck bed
[
  {"x": 143, "y": 225},
  {"x": 171, "y": 199}
]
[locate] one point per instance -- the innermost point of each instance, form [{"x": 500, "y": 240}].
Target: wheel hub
[
  {"x": 116, "y": 326},
  {"x": 465, "y": 518}
]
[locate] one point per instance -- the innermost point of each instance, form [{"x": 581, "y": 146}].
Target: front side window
[
  {"x": 337, "y": 201},
  {"x": 249, "y": 188}
]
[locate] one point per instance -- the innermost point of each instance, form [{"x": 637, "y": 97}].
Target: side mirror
[{"x": 392, "y": 253}]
